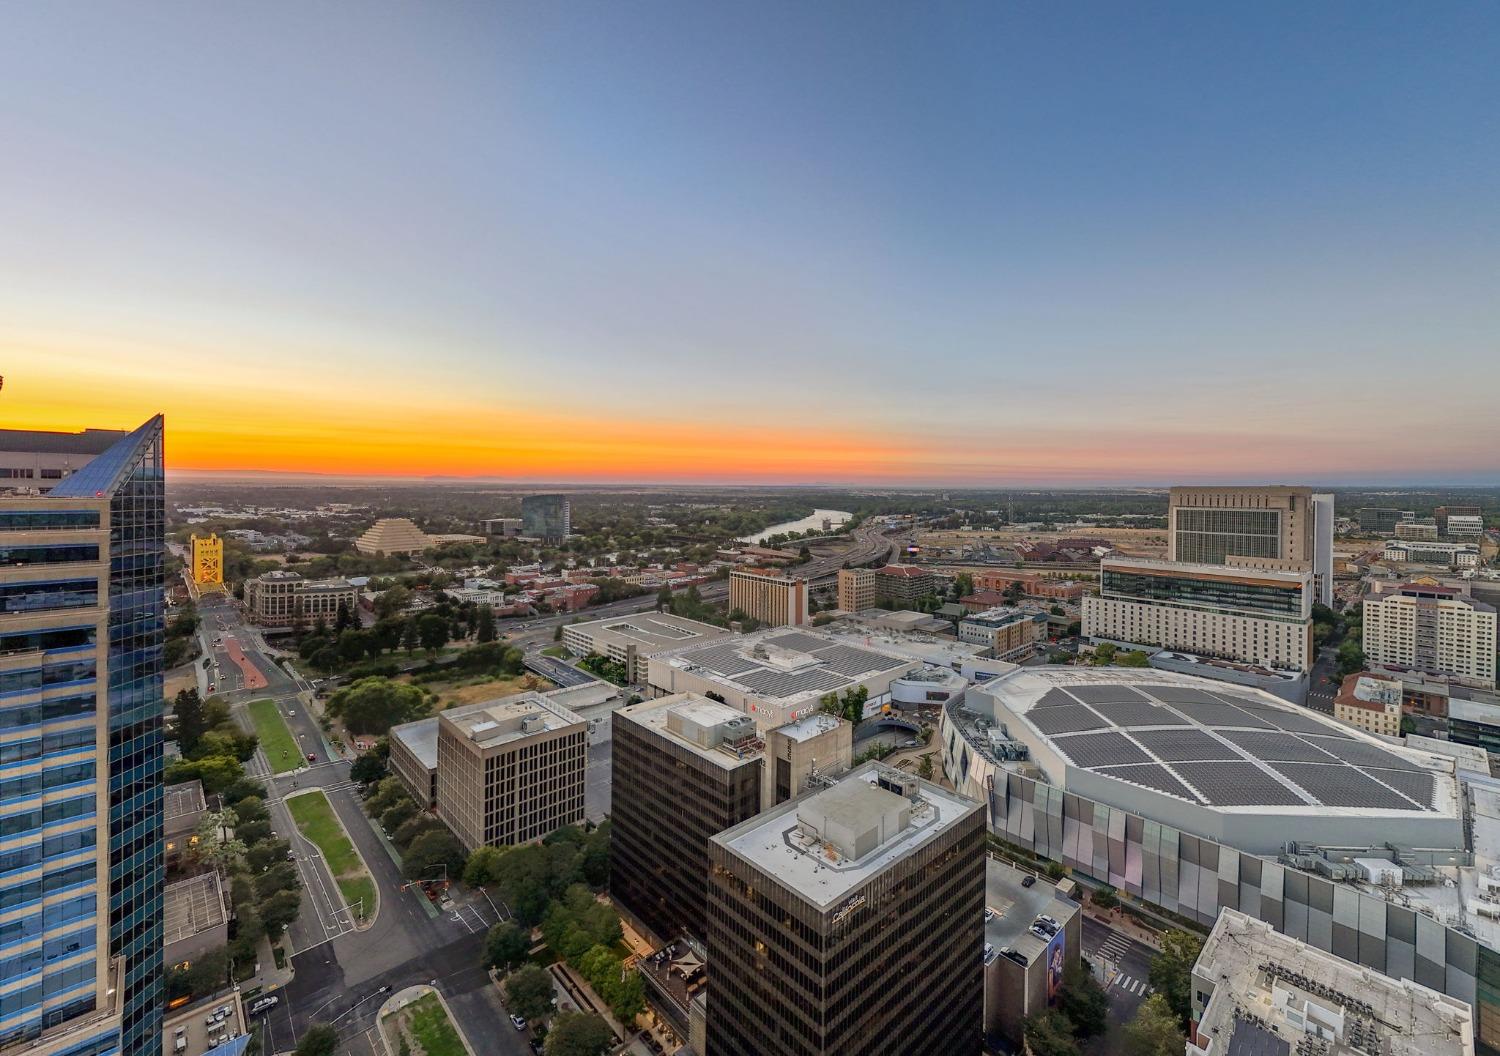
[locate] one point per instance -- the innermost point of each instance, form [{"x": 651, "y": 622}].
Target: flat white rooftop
[
  {"x": 492, "y": 723},
  {"x": 1266, "y": 984},
  {"x": 657, "y": 716},
  {"x": 777, "y": 842},
  {"x": 784, "y": 665}
]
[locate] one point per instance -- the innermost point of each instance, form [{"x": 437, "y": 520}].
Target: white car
[{"x": 518, "y": 1022}]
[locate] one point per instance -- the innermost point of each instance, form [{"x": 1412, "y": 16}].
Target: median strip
[
  {"x": 276, "y": 741},
  {"x": 317, "y": 821}
]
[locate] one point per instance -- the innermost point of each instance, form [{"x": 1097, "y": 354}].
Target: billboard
[{"x": 1055, "y": 958}]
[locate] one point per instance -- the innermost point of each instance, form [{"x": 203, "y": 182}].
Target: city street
[{"x": 1125, "y": 964}]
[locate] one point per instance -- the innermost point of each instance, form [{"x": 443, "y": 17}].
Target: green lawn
[
  {"x": 275, "y": 739},
  {"x": 557, "y": 651},
  {"x": 432, "y": 1028},
  {"x": 315, "y": 818}
]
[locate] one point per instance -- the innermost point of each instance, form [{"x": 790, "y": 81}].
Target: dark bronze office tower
[
  {"x": 849, "y": 922},
  {"x": 683, "y": 769}
]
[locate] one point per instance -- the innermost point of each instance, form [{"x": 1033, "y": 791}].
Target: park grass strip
[
  {"x": 276, "y": 740},
  {"x": 317, "y": 821}
]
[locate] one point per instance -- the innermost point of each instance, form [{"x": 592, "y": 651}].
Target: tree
[
  {"x": 373, "y": 705},
  {"x": 1172, "y": 972},
  {"x": 432, "y": 631},
  {"x": 351, "y": 645},
  {"x": 1134, "y": 658},
  {"x": 1082, "y": 1000},
  {"x": 278, "y": 911},
  {"x": 187, "y": 707},
  {"x": 925, "y": 768},
  {"x": 963, "y": 585},
  {"x": 392, "y": 601},
  {"x": 370, "y": 766},
  {"x": 1050, "y": 1034},
  {"x": 484, "y": 626},
  {"x": 663, "y": 599},
  {"x": 410, "y": 639},
  {"x": 433, "y": 855},
  {"x": 320, "y": 1039},
  {"x": 528, "y": 992},
  {"x": 343, "y": 619},
  {"x": 1351, "y": 657},
  {"x": 579, "y": 1034},
  {"x": 1153, "y": 1030},
  {"x": 1104, "y": 654},
  {"x": 479, "y": 870},
  {"x": 506, "y": 947}
]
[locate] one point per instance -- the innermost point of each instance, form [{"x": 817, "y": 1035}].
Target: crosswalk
[
  {"x": 1110, "y": 954},
  {"x": 1114, "y": 948},
  {"x": 1132, "y": 986}
]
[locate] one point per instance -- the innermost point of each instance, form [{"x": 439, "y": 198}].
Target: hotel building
[
  {"x": 1277, "y": 528},
  {"x": 510, "y": 770},
  {"x": 849, "y": 922},
  {"x": 1259, "y": 617},
  {"x": 81, "y": 623},
  {"x": 1432, "y": 629},
  {"x": 773, "y": 599}
]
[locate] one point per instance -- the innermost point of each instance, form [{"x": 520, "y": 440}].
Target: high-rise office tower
[
  {"x": 81, "y": 621},
  {"x": 774, "y": 599},
  {"x": 849, "y": 923},
  {"x": 546, "y": 517}
]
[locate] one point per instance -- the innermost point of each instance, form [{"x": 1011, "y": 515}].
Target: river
[{"x": 836, "y": 517}]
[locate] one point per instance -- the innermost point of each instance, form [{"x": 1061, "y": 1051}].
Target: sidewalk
[{"x": 1125, "y": 924}]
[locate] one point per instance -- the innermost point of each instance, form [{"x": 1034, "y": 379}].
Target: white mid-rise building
[{"x": 1431, "y": 629}]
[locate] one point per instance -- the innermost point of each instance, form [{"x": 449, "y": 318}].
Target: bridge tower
[{"x": 206, "y": 557}]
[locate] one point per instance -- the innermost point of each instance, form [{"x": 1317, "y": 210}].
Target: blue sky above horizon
[{"x": 946, "y": 243}]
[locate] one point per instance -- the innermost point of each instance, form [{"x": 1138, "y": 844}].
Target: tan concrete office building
[
  {"x": 392, "y": 536},
  {"x": 511, "y": 770},
  {"x": 1432, "y": 629},
  {"x": 281, "y": 598},
  {"x": 414, "y": 759},
  {"x": 773, "y": 599},
  {"x": 1009, "y": 634},
  {"x": 1272, "y": 528},
  {"x": 632, "y": 639},
  {"x": 856, "y": 589}
]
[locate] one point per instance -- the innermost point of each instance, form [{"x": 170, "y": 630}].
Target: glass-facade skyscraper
[{"x": 82, "y": 613}]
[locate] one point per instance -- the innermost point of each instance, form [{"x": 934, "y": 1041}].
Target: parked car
[
  {"x": 311, "y": 758},
  {"x": 1028, "y": 881},
  {"x": 518, "y": 1022}
]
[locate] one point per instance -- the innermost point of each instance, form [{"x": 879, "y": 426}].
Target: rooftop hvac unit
[{"x": 533, "y": 724}]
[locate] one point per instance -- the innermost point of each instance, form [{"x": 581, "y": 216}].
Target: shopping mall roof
[{"x": 785, "y": 664}]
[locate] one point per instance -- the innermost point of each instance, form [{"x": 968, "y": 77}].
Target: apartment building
[
  {"x": 1432, "y": 629},
  {"x": 280, "y": 598},
  {"x": 82, "y": 611},
  {"x": 770, "y": 597},
  {"x": 856, "y": 589},
  {"x": 1371, "y": 704},
  {"x": 849, "y": 922},
  {"x": 1276, "y": 528},
  {"x": 1010, "y": 634},
  {"x": 511, "y": 770},
  {"x": 683, "y": 768},
  {"x": 1258, "y": 617}
]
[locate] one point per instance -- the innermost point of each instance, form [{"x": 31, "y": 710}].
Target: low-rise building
[
  {"x": 1382, "y": 520},
  {"x": 1009, "y": 634},
  {"x": 1422, "y": 529},
  {"x": 1369, "y": 703},
  {"x": 632, "y": 639},
  {"x": 510, "y": 770},
  {"x": 1033, "y": 584},
  {"x": 1432, "y": 629},
  {"x": 1023, "y": 964},
  {"x": 414, "y": 759},
  {"x": 183, "y": 807},
  {"x": 770, "y": 597},
  {"x": 195, "y": 921},
  {"x": 1258, "y": 991},
  {"x": 505, "y": 527},
  {"x": 1447, "y": 555},
  {"x": 215, "y": 1026},
  {"x": 778, "y": 675},
  {"x": 281, "y": 598}
]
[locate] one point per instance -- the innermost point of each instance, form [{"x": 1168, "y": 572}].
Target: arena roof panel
[{"x": 1101, "y": 749}]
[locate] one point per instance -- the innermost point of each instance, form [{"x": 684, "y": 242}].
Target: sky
[{"x": 852, "y": 243}]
